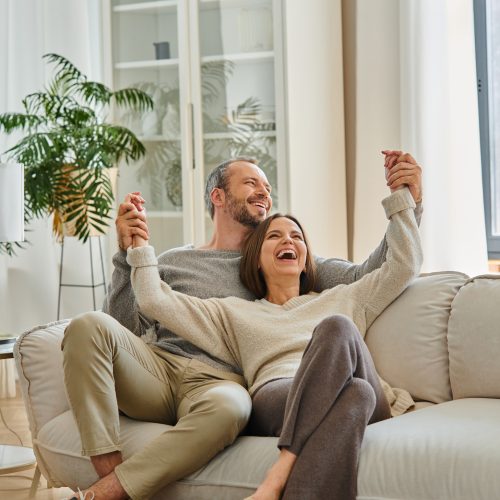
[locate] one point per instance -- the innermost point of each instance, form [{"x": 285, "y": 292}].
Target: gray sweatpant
[{"x": 321, "y": 414}]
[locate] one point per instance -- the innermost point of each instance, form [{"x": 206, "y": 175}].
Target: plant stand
[{"x": 93, "y": 284}]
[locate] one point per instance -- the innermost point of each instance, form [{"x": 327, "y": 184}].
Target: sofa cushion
[
  {"x": 474, "y": 339},
  {"x": 232, "y": 474},
  {"x": 444, "y": 452},
  {"x": 408, "y": 340}
]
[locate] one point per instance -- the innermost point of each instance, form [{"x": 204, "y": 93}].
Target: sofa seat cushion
[
  {"x": 447, "y": 451},
  {"x": 232, "y": 474}
]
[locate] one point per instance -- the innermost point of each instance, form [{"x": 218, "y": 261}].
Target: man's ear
[{"x": 218, "y": 197}]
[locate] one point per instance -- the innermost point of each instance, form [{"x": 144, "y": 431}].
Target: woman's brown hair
[{"x": 250, "y": 273}]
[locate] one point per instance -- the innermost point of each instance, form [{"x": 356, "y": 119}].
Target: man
[{"x": 108, "y": 368}]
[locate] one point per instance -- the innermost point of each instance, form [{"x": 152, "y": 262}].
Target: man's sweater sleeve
[
  {"x": 200, "y": 321},
  {"x": 377, "y": 290},
  {"x": 333, "y": 272},
  {"x": 120, "y": 300}
]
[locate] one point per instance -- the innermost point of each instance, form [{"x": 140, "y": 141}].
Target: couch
[{"x": 440, "y": 340}]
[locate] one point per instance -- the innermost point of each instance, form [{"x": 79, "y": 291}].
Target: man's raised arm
[{"x": 120, "y": 300}]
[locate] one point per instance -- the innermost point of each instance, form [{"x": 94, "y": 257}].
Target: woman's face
[{"x": 284, "y": 251}]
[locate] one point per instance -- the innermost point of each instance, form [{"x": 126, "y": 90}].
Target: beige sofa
[{"x": 440, "y": 340}]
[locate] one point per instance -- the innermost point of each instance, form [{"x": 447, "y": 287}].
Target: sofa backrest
[
  {"x": 408, "y": 341},
  {"x": 39, "y": 366},
  {"x": 474, "y": 339}
]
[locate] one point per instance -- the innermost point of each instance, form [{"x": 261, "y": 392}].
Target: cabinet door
[
  {"x": 145, "y": 54},
  {"x": 214, "y": 70},
  {"x": 237, "y": 59}
]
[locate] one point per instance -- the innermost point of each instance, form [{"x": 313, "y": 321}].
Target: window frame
[{"x": 481, "y": 42}]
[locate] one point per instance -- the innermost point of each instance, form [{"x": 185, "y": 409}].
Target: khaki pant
[{"x": 108, "y": 369}]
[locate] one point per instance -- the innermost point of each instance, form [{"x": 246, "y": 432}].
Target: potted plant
[{"x": 68, "y": 148}]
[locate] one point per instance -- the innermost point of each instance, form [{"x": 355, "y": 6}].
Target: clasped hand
[
  {"x": 131, "y": 224},
  {"x": 401, "y": 169}
]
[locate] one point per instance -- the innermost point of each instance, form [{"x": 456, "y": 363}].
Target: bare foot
[
  {"x": 275, "y": 482},
  {"x": 107, "y": 488}
]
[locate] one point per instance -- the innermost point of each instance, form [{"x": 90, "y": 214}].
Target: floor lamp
[{"x": 11, "y": 229}]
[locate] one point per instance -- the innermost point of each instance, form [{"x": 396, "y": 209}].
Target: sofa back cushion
[
  {"x": 474, "y": 339},
  {"x": 39, "y": 366},
  {"x": 408, "y": 340}
]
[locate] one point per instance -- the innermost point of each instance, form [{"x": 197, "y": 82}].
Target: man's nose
[{"x": 262, "y": 191}]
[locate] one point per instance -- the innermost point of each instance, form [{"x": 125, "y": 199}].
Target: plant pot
[{"x": 63, "y": 228}]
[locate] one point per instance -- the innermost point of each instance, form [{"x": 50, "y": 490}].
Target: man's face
[{"x": 248, "y": 195}]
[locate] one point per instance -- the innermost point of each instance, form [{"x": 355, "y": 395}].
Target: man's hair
[
  {"x": 250, "y": 273},
  {"x": 219, "y": 178}
]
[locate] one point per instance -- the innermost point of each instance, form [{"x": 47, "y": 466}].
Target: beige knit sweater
[{"x": 268, "y": 340}]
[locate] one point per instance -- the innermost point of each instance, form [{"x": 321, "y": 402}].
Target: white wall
[{"x": 316, "y": 161}]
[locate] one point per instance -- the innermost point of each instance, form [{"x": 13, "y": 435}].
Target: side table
[{"x": 16, "y": 458}]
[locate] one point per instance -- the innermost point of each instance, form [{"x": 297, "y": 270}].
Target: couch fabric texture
[{"x": 440, "y": 340}]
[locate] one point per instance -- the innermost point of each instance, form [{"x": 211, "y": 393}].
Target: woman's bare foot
[{"x": 275, "y": 482}]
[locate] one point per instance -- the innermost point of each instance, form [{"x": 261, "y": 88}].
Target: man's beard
[{"x": 239, "y": 212}]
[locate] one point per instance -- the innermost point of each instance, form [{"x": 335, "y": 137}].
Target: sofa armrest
[{"x": 39, "y": 366}]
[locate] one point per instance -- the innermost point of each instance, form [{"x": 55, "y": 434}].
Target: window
[{"x": 487, "y": 33}]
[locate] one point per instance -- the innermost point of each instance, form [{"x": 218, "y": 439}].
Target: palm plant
[{"x": 68, "y": 147}]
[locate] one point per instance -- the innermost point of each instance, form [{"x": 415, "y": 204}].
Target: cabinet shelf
[
  {"x": 241, "y": 57},
  {"x": 248, "y": 57},
  {"x": 158, "y": 138},
  {"x": 154, "y": 63},
  {"x": 167, "y": 214},
  {"x": 148, "y": 7},
  {"x": 229, "y": 135},
  {"x": 232, "y": 4}
]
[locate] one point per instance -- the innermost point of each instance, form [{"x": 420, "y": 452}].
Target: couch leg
[{"x": 35, "y": 483}]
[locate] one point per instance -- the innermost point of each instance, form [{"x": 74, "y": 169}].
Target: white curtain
[
  {"x": 439, "y": 124},
  {"x": 29, "y": 29}
]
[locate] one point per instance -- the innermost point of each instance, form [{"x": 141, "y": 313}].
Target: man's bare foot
[
  {"x": 107, "y": 488},
  {"x": 275, "y": 482}
]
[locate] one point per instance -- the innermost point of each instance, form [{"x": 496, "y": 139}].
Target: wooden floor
[{"x": 16, "y": 486}]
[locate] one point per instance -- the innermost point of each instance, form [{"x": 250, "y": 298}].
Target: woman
[{"x": 327, "y": 378}]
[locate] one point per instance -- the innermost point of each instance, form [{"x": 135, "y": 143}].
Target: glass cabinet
[{"x": 214, "y": 69}]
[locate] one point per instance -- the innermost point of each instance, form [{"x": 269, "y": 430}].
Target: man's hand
[
  {"x": 131, "y": 224},
  {"x": 401, "y": 169}
]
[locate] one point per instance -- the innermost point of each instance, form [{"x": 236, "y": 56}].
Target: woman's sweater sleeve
[
  {"x": 377, "y": 290},
  {"x": 197, "y": 320}
]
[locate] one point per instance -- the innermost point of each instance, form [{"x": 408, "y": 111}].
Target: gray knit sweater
[
  {"x": 211, "y": 273},
  {"x": 267, "y": 340}
]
